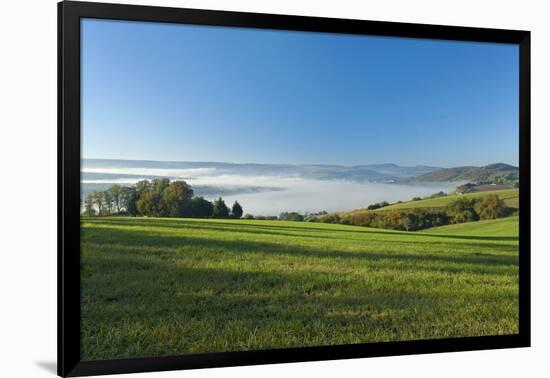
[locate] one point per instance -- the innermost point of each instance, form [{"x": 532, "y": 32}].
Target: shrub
[
  {"x": 438, "y": 194},
  {"x": 421, "y": 219},
  {"x": 377, "y": 205},
  {"x": 492, "y": 207},
  {"x": 199, "y": 208},
  {"x": 393, "y": 220},
  {"x": 462, "y": 210},
  {"x": 366, "y": 219},
  {"x": 346, "y": 219},
  {"x": 293, "y": 216},
  {"x": 329, "y": 218}
]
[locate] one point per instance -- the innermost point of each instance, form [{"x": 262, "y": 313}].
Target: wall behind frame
[{"x": 28, "y": 151}]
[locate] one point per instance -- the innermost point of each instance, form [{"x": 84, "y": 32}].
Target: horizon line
[{"x": 298, "y": 164}]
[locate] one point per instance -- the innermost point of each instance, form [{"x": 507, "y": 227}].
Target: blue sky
[{"x": 197, "y": 93}]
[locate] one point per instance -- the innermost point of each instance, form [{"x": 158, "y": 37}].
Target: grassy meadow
[
  {"x": 161, "y": 286},
  {"x": 503, "y": 227}
]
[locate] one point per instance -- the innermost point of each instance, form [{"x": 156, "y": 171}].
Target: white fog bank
[{"x": 317, "y": 195}]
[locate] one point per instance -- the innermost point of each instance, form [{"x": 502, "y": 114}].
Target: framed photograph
[{"x": 240, "y": 188}]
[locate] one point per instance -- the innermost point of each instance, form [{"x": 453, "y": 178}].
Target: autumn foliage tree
[{"x": 491, "y": 207}]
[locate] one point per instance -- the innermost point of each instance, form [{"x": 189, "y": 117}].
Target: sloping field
[
  {"x": 504, "y": 227},
  {"x": 154, "y": 287},
  {"x": 510, "y": 197}
]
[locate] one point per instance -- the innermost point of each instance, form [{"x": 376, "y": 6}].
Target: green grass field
[
  {"x": 510, "y": 197},
  {"x": 500, "y": 227},
  {"x": 152, "y": 287}
]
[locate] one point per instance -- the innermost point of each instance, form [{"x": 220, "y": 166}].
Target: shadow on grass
[
  {"x": 205, "y": 305},
  {"x": 183, "y": 292},
  {"x": 295, "y": 231},
  {"x": 483, "y": 255},
  {"x": 140, "y": 296},
  {"x": 471, "y": 237}
]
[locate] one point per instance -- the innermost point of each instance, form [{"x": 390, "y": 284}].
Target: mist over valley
[{"x": 269, "y": 189}]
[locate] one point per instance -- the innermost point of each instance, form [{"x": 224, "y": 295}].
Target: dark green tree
[
  {"x": 175, "y": 198},
  {"x": 158, "y": 185},
  {"x": 143, "y": 186},
  {"x": 330, "y": 218},
  {"x": 129, "y": 197},
  {"x": 220, "y": 209},
  {"x": 147, "y": 204},
  {"x": 291, "y": 216},
  {"x": 115, "y": 198},
  {"x": 462, "y": 210},
  {"x": 200, "y": 208},
  {"x": 109, "y": 205},
  {"x": 237, "y": 210}
]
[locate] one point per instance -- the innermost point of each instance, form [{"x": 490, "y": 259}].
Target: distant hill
[
  {"x": 395, "y": 170},
  {"x": 359, "y": 173},
  {"x": 499, "y": 173}
]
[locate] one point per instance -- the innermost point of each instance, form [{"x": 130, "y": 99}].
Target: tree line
[{"x": 157, "y": 198}]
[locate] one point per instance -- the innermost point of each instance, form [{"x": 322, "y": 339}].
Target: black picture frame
[{"x": 69, "y": 15}]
